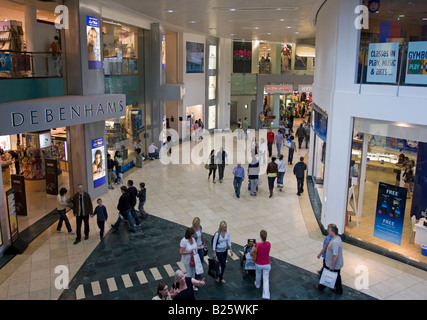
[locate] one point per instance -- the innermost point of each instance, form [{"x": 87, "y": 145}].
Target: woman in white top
[
  {"x": 198, "y": 236},
  {"x": 188, "y": 247},
  {"x": 281, "y": 167},
  {"x": 61, "y": 208},
  {"x": 221, "y": 243},
  {"x": 262, "y": 150}
]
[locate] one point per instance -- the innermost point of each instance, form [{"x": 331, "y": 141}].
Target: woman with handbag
[
  {"x": 221, "y": 243},
  {"x": 272, "y": 171},
  {"x": 261, "y": 255},
  {"x": 187, "y": 249},
  {"x": 198, "y": 236},
  {"x": 212, "y": 165}
]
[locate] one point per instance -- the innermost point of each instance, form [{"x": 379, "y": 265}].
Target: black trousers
[
  {"x": 338, "y": 283},
  {"x": 270, "y": 149},
  {"x": 79, "y": 221},
  {"x": 101, "y": 226},
  {"x": 221, "y": 168},
  {"x": 300, "y": 182},
  {"x": 222, "y": 258}
]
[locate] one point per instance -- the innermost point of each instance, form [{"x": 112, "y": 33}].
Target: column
[{"x": 419, "y": 200}]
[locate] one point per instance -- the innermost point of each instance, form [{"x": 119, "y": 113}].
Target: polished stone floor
[{"x": 127, "y": 266}]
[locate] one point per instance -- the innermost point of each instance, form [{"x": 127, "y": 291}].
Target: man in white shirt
[{"x": 152, "y": 152}]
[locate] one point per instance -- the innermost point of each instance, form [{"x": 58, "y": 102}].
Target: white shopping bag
[
  {"x": 328, "y": 278},
  {"x": 199, "y": 266}
]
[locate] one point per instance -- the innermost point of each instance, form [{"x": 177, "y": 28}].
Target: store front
[
  {"x": 387, "y": 180},
  {"x": 48, "y": 144}
]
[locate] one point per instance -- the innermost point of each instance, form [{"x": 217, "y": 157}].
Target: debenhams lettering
[{"x": 35, "y": 117}]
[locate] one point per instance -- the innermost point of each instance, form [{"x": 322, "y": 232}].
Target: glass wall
[
  {"x": 393, "y": 48},
  {"x": 386, "y": 181},
  {"x": 124, "y": 73}
]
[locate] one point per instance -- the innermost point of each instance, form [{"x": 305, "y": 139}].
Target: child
[
  {"x": 102, "y": 216},
  {"x": 142, "y": 196},
  {"x": 323, "y": 252}
]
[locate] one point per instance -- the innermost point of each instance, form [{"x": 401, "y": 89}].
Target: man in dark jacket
[
  {"x": 300, "y": 135},
  {"x": 82, "y": 207},
  {"x": 299, "y": 172},
  {"x": 124, "y": 210},
  {"x": 133, "y": 193}
]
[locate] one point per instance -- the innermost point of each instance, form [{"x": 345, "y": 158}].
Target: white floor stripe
[
  {"x": 96, "y": 288},
  {"x": 141, "y": 277},
  {"x": 127, "y": 281},
  {"x": 112, "y": 286},
  {"x": 156, "y": 274},
  {"x": 181, "y": 266},
  {"x": 80, "y": 293},
  {"x": 169, "y": 270},
  {"x": 234, "y": 257}
]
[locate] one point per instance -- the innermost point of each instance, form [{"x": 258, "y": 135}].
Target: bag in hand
[
  {"x": 254, "y": 256},
  {"x": 214, "y": 268},
  {"x": 328, "y": 278}
]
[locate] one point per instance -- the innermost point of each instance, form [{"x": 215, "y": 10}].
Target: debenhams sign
[{"x": 44, "y": 114}]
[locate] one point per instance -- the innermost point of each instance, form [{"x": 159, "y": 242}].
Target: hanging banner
[
  {"x": 93, "y": 42},
  {"x": 416, "y": 70},
  {"x": 390, "y": 213},
  {"x": 98, "y": 162},
  {"x": 51, "y": 176},
  {"x": 382, "y": 62}
]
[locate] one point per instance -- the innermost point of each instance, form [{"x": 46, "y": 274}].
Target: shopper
[
  {"x": 62, "y": 208},
  {"x": 281, "y": 168},
  {"x": 240, "y": 130},
  {"x": 142, "y": 196},
  {"x": 133, "y": 193},
  {"x": 153, "y": 151},
  {"x": 408, "y": 178},
  {"x": 196, "y": 131},
  {"x": 400, "y": 163},
  {"x": 101, "y": 216},
  {"x": 222, "y": 162},
  {"x": 183, "y": 288},
  {"x": 200, "y": 241},
  {"x": 82, "y": 206},
  {"x": 212, "y": 165},
  {"x": 262, "y": 151},
  {"x": 300, "y": 135},
  {"x": 262, "y": 264},
  {"x": 322, "y": 253},
  {"x": 307, "y": 134},
  {"x": 110, "y": 171},
  {"x": 272, "y": 171},
  {"x": 118, "y": 162},
  {"x": 261, "y": 120},
  {"x": 221, "y": 244},
  {"x": 299, "y": 172},
  {"x": 270, "y": 141},
  {"x": 124, "y": 210},
  {"x": 334, "y": 258},
  {"x": 253, "y": 175},
  {"x": 239, "y": 176},
  {"x": 138, "y": 149},
  {"x": 291, "y": 150},
  {"x": 245, "y": 128},
  {"x": 279, "y": 141},
  {"x": 162, "y": 292},
  {"x": 188, "y": 248}
]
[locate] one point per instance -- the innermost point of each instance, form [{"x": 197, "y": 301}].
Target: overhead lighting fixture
[
  {"x": 424, "y": 19},
  {"x": 193, "y": 21},
  {"x": 288, "y": 27},
  {"x": 171, "y": 11},
  {"x": 282, "y": 20},
  {"x": 256, "y": 28},
  {"x": 232, "y": 9}
]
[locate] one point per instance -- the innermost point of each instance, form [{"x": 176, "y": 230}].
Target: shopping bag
[
  {"x": 288, "y": 143},
  {"x": 199, "y": 266},
  {"x": 328, "y": 278},
  {"x": 214, "y": 268}
]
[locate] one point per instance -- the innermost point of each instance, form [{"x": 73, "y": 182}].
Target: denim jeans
[
  {"x": 63, "y": 218},
  {"x": 141, "y": 208},
  {"x": 279, "y": 148},
  {"x": 128, "y": 217},
  {"x": 221, "y": 168},
  {"x": 280, "y": 176},
  {"x": 134, "y": 215},
  {"x": 291, "y": 155},
  {"x": 237, "y": 185},
  {"x": 253, "y": 183},
  {"x": 263, "y": 270}
]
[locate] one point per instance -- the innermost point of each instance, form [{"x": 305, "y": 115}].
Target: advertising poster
[
  {"x": 98, "y": 162},
  {"x": 13, "y": 218},
  {"x": 416, "y": 72},
  {"x": 382, "y": 62},
  {"x": 163, "y": 52},
  {"x": 242, "y": 56},
  {"x": 93, "y": 42},
  {"x": 212, "y": 117},
  {"x": 18, "y": 187},
  {"x": 5, "y": 62},
  {"x": 51, "y": 176},
  {"x": 390, "y": 213},
  {"x": 195, "y": 57}
]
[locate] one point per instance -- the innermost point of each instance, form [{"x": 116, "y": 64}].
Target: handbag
[
  {"x": 192, "y": 262},
  {"x": 205, "y": 252},
  {"x": 259, "y": 182},
  {"x": 199, "y": 266},
  {"x": 254, "y": 255},
  {"x": 288, "y": 143},
  {"x": 328, "y": 278},
  {"x": 207, "y": 166},
  {"x": 214, "y": 268}
]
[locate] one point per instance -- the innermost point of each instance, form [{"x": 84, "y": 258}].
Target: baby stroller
[{"x": 246, "y": 262}]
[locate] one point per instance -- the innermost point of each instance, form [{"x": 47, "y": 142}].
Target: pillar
[{"x": 419, "y": 200}]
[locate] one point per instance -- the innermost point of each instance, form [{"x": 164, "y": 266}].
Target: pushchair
[{"x": 246, "y": 262}]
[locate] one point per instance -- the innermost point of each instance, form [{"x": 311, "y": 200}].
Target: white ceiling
[{"x": 268, "y": 20}]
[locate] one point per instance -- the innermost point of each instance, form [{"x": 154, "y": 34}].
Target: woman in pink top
[{"x": 262, "y": 264}]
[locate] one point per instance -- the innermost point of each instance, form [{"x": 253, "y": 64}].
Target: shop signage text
[
  {"x": 43, "y": 114},
  {"x": 416, "y": 72},
  {"x": 382, "y": 62},
  {"x": 281, "y": 89}
]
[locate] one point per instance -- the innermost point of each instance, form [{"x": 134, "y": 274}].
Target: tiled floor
[{"x": 121, "y": 267}]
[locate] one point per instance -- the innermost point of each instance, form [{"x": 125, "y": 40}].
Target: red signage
[{"x": 279, "y": 89}]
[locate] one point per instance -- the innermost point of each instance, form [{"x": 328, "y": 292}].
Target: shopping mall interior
[{"x": 176, "y": 76}]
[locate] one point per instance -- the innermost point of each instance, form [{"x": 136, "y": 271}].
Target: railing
[{"x": 23, "y": 64}]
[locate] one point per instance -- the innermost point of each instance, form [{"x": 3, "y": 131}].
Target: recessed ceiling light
[
  {"x": 288, "y": 27},
  {"x": 232, "y": 9},
  {"x": 269, "y": 33},
  {"x": 170, "y": 11},
  {"x": 193, "y": 21},
  {"x": 296, "y": 32},
  {"x": 401, "y": 16},
  {"x": 282, "y": 20},
  {"x": 256, "y": 28}
]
